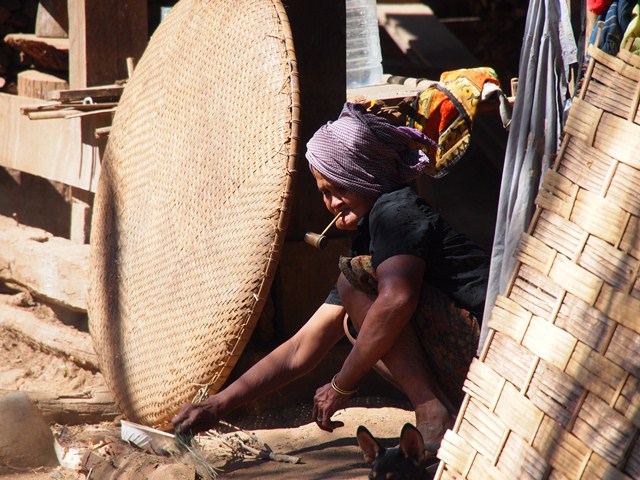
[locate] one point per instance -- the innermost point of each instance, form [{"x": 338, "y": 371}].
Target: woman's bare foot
[{"x": 433, "y": 420}]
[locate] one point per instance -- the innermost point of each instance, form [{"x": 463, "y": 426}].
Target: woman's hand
[
  {"x": 325, "y": 403},
  {"x": 197, "y": 417}
]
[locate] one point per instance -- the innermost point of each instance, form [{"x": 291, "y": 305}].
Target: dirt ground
[{"x": 286, "y": 431}]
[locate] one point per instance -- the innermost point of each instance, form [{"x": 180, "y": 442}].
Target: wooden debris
[
  {"x": 250, "y": 444},
  {"x": 47, "y": 53},
  {"x": 52, "y": 19}
]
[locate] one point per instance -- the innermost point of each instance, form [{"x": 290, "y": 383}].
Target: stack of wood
[
  {"x": 76, "y": 103},
  {"x": 29, "y": 259},
  {"x": 47, "y": 48}
]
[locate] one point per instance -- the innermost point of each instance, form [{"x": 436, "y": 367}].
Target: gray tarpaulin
[{"x": 547, "y": 55}]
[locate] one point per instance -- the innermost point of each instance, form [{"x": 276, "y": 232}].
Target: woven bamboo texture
[
  {"x": 555, "y": 392},
  {"x": 193, "y": 201}
]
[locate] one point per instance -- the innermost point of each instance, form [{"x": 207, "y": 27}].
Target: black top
[{"x": 402, "y": 223}]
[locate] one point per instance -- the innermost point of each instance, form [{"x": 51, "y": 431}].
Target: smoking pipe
[{"x": 319, "y": 240}]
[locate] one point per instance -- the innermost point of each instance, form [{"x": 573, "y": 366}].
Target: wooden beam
[
  {"x": 102, "y": 35},
  {"x": 50, "y": 267},
  {"x": 62, "y": 150},
  {"x": 74, "y": 408},
  {"x": 56, "y": 338},
  {"x": 423, "y": 38}
]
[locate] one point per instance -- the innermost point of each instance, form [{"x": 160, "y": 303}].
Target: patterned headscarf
[{"x": 366, "y": 154}]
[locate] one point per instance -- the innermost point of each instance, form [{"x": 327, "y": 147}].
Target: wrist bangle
[{"x": 340, "y": 391}]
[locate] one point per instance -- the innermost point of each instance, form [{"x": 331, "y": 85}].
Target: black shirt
[{"x": 402, "y": 223}]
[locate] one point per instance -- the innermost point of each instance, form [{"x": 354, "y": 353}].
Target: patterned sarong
[{"x": 448, "y": 334}]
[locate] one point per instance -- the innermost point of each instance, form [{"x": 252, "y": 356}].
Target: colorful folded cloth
[
  {"x": 446, "y": 110},
  {"x": 598, "y": 6}
]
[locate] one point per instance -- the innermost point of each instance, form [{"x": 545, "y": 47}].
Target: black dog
[{"x": 407, "y": 462}]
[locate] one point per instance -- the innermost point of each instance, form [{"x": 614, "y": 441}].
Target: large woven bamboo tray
[
  {"x": 193, "y": 201},
  {"x": 555, "y": 393}
]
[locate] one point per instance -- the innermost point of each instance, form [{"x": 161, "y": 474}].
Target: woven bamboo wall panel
[
  {"x": 518, "y": 455},
  {"x": 589, "y": 176},
  {"x": 594, "y": 329},
  {"x": 558, "y": 233},
  {"x": 193, "y": 201},
  {"x": 510, "y": 359},
  {"x": 555, "y": 391},
  {"x": 551, "y": 389}
]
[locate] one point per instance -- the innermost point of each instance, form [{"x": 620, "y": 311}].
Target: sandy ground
[{"x": 286, "y": 431}]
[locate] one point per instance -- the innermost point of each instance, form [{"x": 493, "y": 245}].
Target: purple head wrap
[{"x": 366, "y": 154}]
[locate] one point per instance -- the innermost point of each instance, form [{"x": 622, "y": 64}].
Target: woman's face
[{"x": 353, "y": 206}]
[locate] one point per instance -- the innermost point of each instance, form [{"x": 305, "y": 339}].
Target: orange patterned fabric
[{"x": 445, "y": 111}]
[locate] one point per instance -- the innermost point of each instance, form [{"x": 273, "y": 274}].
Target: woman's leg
[{"x": 408, "y": 366}]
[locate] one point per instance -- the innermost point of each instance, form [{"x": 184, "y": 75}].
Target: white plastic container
[{"x": 364, "y": 58}]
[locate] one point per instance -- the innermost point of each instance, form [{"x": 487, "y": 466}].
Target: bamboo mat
[{"x": 193, "y": 201}]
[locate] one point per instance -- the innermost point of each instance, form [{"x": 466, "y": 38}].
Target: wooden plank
[
  {"x": 61, "y": 150},
  {"x": 56, "y": 106},
  {"x": 387, "y": 91},
  {"x": 103, "y": 92},
  {"x": 103, "y": 35},
  {"x": 50, "y": 267}
]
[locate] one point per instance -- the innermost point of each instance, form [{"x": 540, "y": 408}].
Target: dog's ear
[
  {"x": 369, "y": 445},
  {"x": 412, "y": 443}
]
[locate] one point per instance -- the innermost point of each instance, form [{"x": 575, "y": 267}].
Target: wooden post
[
  {"x": 80, "y": 225},
  {"x": 102, "y": 34}
]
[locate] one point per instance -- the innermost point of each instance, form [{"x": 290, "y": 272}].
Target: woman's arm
[
  {"x": 287, "y": 362},
  {"x": 399, "y": 284},
  {"x": 385, "y": 317}
]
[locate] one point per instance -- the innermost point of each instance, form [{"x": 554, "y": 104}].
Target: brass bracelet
[{"x": 340, "y": 391}]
